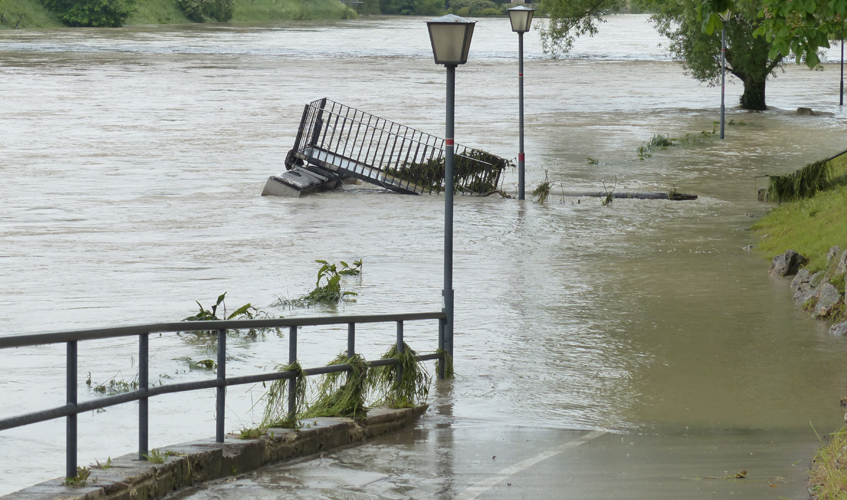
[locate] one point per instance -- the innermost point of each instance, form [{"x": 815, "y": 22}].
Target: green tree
[
  {"x": 693, "y": 38},
  {"x": 802, "y": 27},
  {"x": 96, "y": 13}
]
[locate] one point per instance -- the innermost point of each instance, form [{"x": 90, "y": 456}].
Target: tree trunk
[{"x": 753, "y": 97}]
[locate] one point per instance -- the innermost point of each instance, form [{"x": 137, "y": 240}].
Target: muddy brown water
[{"x": 132, "y": 162}]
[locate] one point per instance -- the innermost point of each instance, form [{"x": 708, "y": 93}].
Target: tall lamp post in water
[
  {"x": 450, "y": 36},
  {"x": 521, "y": 18},
  {"x": 724, "y": 17}
]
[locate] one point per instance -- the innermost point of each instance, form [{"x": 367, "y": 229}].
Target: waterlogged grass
[
  {"x": 26, "y": 14},
  {"x": 828, "y": 477},
  {"x": 810, "y": 226}
]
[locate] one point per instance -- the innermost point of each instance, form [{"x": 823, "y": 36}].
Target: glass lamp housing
[
  {"x": 521, "y": 17},
  {"x": 450, "y": 36}
]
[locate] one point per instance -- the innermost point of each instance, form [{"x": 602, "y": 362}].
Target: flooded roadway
[{"x": 132, "y": 161}]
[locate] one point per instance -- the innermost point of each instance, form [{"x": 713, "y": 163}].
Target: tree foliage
[
  {"x": 92, "y": 13},
  {"x": 802, "y": 27},
  {"x": 693, "y": 28}
]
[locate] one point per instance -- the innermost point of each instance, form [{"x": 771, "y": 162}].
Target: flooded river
[{"x": 132, "y": 161}]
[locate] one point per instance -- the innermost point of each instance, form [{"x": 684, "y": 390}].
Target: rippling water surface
[{"x": 132, "y": 161}]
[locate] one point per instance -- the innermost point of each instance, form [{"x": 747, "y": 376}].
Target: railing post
[
  {"x": 70, "y": 450},
  {"x": 441, "y": 349},
  {"x": 399, "y": 350},
  {"x": 143, "y": 403},
  {"x": 221, "y": 407},
  {"x": 292, "y": 383},
  {"x": 351, "y": 339}
]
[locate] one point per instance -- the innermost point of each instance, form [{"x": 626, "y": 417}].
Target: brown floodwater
[{"x": 132, "y": 161}]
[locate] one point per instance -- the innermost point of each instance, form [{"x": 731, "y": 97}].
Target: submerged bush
[{"x": 92, "y": 13}]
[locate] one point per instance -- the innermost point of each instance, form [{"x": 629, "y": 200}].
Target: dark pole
[
  {"x": 723, "y": 75},
  {"x": 521, "y": 183},
  {"x": 447, "y": 293},
  {"x": 841, "y": 101}
]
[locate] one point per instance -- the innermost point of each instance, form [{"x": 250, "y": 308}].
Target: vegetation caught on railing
[
  {"x": 449, "y": 374},
  {"x": 809, "y": 180},
  {"x": 327, "y": 287},
  {"x": 408, "y": 390},
  {"x": 662, "y": 142},
  {"x": 474, "y": 171},
  {"x": 276, "y": 400},
  {"x": 342, "y": 394},
  {"x": 113, "y": 386}
]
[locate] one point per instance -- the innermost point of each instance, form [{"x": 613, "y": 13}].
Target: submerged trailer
[{"x": 336, "y": 144}]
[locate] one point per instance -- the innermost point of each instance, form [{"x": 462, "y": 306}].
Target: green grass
[
  {"x": 828, "y": 476},
  {"x": 809, "y": 226},
  {"x": 34, "y": 15},
  {"x": 157, "y": 12},
  {"x": 281, "y": 10}
]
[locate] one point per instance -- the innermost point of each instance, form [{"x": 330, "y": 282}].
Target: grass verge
[
  {"x": 26, "y": 14},
  {"x": 808, "y": 226},
  {"x": 828, "y": 476}
]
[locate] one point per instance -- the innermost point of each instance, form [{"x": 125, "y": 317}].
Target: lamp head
[
  {"x": 450, "y": 36},
  {"x": 725, "y": 16},
  {"x": 521, "y": 17}
]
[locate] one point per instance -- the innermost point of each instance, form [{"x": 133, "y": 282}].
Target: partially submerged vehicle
[{"x": 336, "y": 144}]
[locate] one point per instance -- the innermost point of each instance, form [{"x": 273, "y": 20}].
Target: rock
[
  {"x": 749, "y": 247},
  {"x": 842, "y": 264},
  {"x": 834, "y": 253},
  {"x": 839, "y": 329},
  {"x": 787, "y": 264},
  {"x": 806, "y": 112},
  {"x": 816, "y": 279},
  {"x": 801, "y": 278},
  {"x": 829, "y": 297},
  {"x": 804, "y": 292}
]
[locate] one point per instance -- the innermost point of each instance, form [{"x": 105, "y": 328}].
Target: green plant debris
[
  {"x": 401, "y": 386},
  {"x": 208, "y": 338},
  {"x": 474, "y": 171},
  {"x": 342, "y": 394},
  {"x": 276, "y": 400},
  {"x": 327, "y": 287},
  {"x": 542, "y": 192},
  {"x": 103, "y": 466},
  {"x": 809, "y": 180},
  {"x": 592, "y": 161},
  {"x": 113, "y": 386},
  {"x": 202, "y": 364},
  {"x": 448, "y": 364},
  {"x": 609, "y": 197},
  {"x": 81, "y": 478}
]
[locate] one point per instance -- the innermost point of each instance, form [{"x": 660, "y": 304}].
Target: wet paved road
[{"x": 462, "y": 459}]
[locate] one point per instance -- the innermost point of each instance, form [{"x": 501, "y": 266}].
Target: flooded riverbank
[{"x": 133, "y": 160}]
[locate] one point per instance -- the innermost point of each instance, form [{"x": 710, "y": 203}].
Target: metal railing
[
  {"x": 144, "y": 391},
  {"x": 361, "y": 145}
]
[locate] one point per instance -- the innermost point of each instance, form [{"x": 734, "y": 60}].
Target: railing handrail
[
  {"x": 220, "y": 327},
  {"x": 45, "y": 338}
]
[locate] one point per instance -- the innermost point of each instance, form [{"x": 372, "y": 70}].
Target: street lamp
[
  {"x": 724, "y": 17},
  {"x": 521, "y": 18},
  {"x": 450, "y": 36}
]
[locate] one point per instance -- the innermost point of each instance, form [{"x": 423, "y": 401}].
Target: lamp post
[
  {"x": 724, "y": 18},
  {"x": 841, "y": 99},
  {"x": 450, "y": 36},
  {"x": 521, "y": 18}
]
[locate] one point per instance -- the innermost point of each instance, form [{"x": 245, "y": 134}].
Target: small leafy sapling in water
[
  {"x": 610, "y": 193},
  {"x": 327, "y": 286},
  {"x": 543, "y": 190}
]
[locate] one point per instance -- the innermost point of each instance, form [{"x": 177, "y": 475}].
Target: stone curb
[{"x": 189, "y": 463}]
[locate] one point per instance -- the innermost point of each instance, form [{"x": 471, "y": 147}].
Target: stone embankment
[
  {"x": 127, "y": 478},
  {"x": 821, "y": 293}
]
